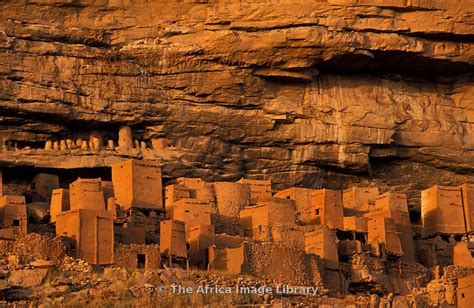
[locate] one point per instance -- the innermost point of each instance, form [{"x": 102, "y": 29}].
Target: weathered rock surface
[
  {"x": 27, "y": 278},
  {"x": 269, "y": 90}
]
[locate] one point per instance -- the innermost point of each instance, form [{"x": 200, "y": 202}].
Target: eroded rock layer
[{"x": 316, "y": 94}]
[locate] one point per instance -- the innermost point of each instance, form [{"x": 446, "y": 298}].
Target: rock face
[{"x": 310, "y": 94}]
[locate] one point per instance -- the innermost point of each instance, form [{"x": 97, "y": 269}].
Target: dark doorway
[
  {"x": 16, "y": 223},
  {"x": 141, "y": 260}
]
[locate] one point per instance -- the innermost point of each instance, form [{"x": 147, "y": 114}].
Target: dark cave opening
[
  {"x": 394, "y": 63},
  {"x": 23, "y": 175}
]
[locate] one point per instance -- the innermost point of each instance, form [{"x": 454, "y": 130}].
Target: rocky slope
[{"x": 312, "y": 94}]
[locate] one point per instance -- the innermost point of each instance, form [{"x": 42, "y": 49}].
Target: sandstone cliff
[{"x": 309, "y": 93}]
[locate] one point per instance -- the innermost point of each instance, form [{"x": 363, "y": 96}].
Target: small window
[
  {"x": 16, "y": 223},
  {"x": 141, "y": 260},
  {"x": 462, "y": 295},
  {"x": 287, "y": 197},
  {"x": 317, "y": 211}
]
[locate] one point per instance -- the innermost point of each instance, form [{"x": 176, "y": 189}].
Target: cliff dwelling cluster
[
  {"x": 350, "y": 241},
  {"x": 95, "y": 141}
]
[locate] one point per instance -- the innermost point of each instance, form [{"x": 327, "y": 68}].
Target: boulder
[
  {"x": 27, "y": 278},
  {"x": 39, "y": 211}
]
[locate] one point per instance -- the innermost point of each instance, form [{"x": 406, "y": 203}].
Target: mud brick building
[
  {"x": 92, "y": 231},
  {"x": 358, "y": 199},
  {"x": 125, "y": 138},
  {"x": 231, "y": 241},
  {"x": 107, "y": 189},
  {"x": 322, "y": 242},
  {"x": 442, "y": 210},
  {"x": 463, "y": 253},
  {"x": 137, "y": 256},
  {"x": 173, "y": 239},
  {"x": 303, "y": 198},
  {"x": 257, "y": 220},
  {"x": 230, "y": 199},
  {"x": 192, "y": 212},
  {"x": 138, "y": 184},
  {"x": 228, "y": 260},
  {"x": 394, "y": 205},
  {"x": 175, "y": 193},
  {"x": 327, "y": 208},
  {"x": 198, "y": 188},
  {"x": 147, "y": 220},
  {"x": 287, "y": 235},
  {"x": 346, "y": 248},
  {"x": 282, "y": 264},
  {"x": 87, "y": 194},
  {"x": 129, "y": 235},
  {"x": 383, "y": 231},
  {"x": 200, "y": 238},
  {"x": 59, "y": 203},
  {"x": 467, "y": 191},
  {"x": 465, "y": 291},
  {"x": 259, "y": 189},
  {"x": 13, "y": 215},
  {"x": 355, "y": 223}
]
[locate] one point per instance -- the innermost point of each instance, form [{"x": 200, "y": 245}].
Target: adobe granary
[
  {"x": 1, "y": 181},
  {"x": 463, "y": 252},
  {"x": 192, "y": 212},
  {"x": 327, "y": 208},
  {"x": 304, "y": 204},
  {"x": 86, "y": 194},
  {"x": 394, "y": 205},
  {"x": 467, "y": 191},
  {"x": 127, "y": 235},
  {"x": 125, "y": 138},
  {"x": 355, "y": 224},
  {"x": 174, "y": 193},
  {"x": 59, "y": 203},
  {"x": 465, "y": 291},
  {"x": 230, "y": 199},
  {"x": 384, "y": 236},
  {"x": 173, "y": 239},
  {"x": 442, "y": 210},
  {"x": 198, "y": 188},
  {"x": 323, "y": 243},
  {"x": 137, "y": 184},
  {"x": 259, "y": 189},
  {"x": 227, "y": 260},
  {"x": 190, "y": 188},
  {"x": 257, "y": 220},
  {"x": 358, "y": 199},
  {"x": 13, "y": 220},
  {"x": 92, "y": 231},
  {"x": 200, "y": 239}
]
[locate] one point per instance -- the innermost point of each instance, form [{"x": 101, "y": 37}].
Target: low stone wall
[
  {"x": 137, "y": 256},
  {"x": 282, "y": 264},
  {"x": 36, "y": 246}
]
